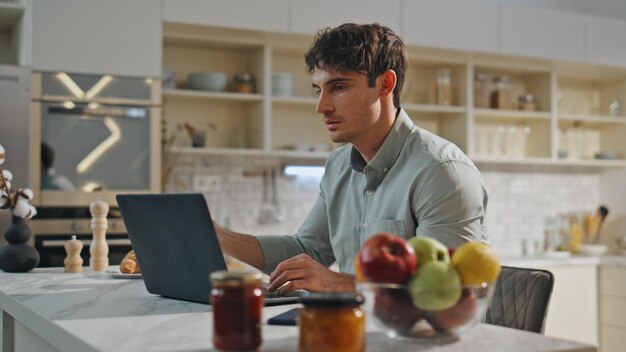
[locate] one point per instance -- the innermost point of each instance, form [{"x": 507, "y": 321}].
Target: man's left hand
[{"x": 304, "y": 273}]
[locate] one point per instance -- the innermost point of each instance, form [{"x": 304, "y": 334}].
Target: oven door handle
[
  {"x": 61, "y": 243},
  {"x": 130, "y": 112}
]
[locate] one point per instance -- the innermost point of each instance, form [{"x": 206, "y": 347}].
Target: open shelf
[
  {"x": 290, "y": 154},
  {"x": 593, "y": 119},
  {"x": 511, "y": 114},
  {"x": 304, "y": 101},
  {"x": 188, "y": 94},
  {"x": 551, "y": 162},
  {"x": 282, "y": 123},
  {"x": 431, "y": 108}
]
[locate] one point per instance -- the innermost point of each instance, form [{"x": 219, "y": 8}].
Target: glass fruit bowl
[{"x": 391, "y": 308}]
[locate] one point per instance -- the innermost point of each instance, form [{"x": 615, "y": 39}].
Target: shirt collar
[{"x": 389, "y": 151}]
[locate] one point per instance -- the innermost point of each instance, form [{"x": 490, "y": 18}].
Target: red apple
[
  {"x": 395, "y": 309},
  {"x": 451, "y": 251},
  {"x": 457, "y": 316},
  {"x": 386, "y": 258}
]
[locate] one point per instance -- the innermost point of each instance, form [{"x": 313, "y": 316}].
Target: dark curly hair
[{"x": 370, "y": 49}]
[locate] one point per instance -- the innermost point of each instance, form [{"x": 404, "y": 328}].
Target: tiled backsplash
[{"x": 518, "y": 200}]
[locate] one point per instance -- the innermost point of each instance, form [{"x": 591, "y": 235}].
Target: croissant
[{"x": 129, "y": 264}]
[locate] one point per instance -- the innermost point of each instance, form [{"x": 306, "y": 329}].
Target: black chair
[{"x": 521, "y": 299}]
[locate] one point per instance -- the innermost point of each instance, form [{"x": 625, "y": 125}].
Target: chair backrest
[{"x": 521, "y": 299}]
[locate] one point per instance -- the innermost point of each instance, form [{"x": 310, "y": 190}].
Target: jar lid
[
  {"x": 244, "y": 77},
  {"x": 331, "y": 299},
  {"x": 235, "y": 276}
]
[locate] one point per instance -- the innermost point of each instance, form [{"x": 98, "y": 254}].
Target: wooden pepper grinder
[
  {"x": 73, "y": 262},
  {"x": 99, "y": 249}
]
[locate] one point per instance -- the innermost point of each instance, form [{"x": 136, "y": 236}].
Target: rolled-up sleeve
[
  {"x": 451, "y": 205},
  {"x": 312, "y": 238}
]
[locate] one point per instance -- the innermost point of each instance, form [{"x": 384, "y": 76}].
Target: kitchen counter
[
  {"x": 48, "y": 310},
  {"x": 573, "y": 260}
]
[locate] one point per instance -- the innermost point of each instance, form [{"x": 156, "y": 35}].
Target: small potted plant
[{"x": 17, "y": 256}]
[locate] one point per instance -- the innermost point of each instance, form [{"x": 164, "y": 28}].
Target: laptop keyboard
[{"x": 274, "y": 294}]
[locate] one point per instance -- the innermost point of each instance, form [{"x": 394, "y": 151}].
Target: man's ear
[{"x": 387, "y": 83}]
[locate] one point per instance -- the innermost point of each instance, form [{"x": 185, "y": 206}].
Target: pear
[
  {"x": 436, "y": 286},
  {"x": 429, "y": 250}
]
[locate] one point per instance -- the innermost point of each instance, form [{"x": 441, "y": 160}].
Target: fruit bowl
[{"x": 391, "y": 308}]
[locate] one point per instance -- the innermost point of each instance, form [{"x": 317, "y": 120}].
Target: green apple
[
  {"x": 435, "y": 286},
  {"x": 429, "y": 250}
]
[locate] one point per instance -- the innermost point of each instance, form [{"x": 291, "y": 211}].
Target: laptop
[{"x": 176, "y": 245}]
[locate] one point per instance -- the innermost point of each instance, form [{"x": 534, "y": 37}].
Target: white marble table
[{"x": 48, "y": 310}]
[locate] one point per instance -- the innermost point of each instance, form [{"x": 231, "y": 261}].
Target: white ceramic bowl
[
  {"x": 593, "y": 249},
  {"x": 211, "y": 81}
]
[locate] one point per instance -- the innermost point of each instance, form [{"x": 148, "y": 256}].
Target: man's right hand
[{"x": 302, "y": 272}]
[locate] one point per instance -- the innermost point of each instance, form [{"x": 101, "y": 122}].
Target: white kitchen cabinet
[
  {"x": 267, "y": 15},
  {"x": 116, "y": 37},
  {"x": 605, "y": 41},
  {"x": 307, "y": 17},
  {"x": 612, "y": 308},
  {"x": 541, "y": 33},
  {"x": 573, "y": 310},
  {"x": 455, "y": 24}
]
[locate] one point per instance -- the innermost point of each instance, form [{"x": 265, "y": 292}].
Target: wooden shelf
[
  {"x": 188, "y": 94},
  {"x": 511, "y": 114},
  {"x": 600, "y": 119},
  {"x": 594, "y": 163},
  {"x": 287, "y": 154},
  {"x": 439, "y": 109},
  {"x": 305, "y": 101}
]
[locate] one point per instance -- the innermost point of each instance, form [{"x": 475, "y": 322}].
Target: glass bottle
[
  {"x": 332, "y": 321},
  {"x": 481, "y": 91},
  {"x": 237, "y": 301},
  {"x": 501, "y": 95},
  {"x": 444, "y": 89},
  {"x": 576, "y": 233}
]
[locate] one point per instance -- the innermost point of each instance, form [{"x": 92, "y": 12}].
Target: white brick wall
[{"x": 518, "y": 200}]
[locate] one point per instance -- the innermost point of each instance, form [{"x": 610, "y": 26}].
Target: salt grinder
[
  {"x": 99, "y": 249},
  {"x": 73, "y": 262}
]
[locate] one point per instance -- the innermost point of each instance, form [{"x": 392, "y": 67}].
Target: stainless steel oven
[
  {"x": 53, "y": 226},
  {"x": 93, "y": 136}
]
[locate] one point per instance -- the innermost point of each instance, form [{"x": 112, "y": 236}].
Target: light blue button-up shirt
[{"x": 417, "y": 184}]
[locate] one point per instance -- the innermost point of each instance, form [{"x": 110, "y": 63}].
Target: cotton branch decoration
[{"x": 17, "y": 201}]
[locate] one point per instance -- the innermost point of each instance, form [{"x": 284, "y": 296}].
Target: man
[{"x": 390, "y": 176}]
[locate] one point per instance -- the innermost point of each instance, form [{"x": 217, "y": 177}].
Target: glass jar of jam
[
  {"x": 244, "y": 83},
  {"x": 237, "y": 301},
  {"x": 332, "y": 322}
]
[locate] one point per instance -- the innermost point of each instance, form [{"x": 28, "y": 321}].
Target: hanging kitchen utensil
[
  {"x": 266, "y": 209},
  {"x": 277, "y": 213},
  {"x": 601, "y": 214}
]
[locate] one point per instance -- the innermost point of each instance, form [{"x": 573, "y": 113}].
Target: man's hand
[{"x": 303, "y": 272}]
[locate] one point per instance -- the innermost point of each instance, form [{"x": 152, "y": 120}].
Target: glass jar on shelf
[
  {"x": 481, "y": 90},
  {"x": 444, "y": 88},
  {"x": 527, "y": 102},
  {"x": 501, "y": 95},
  {"x": 244, "y": 83}
]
